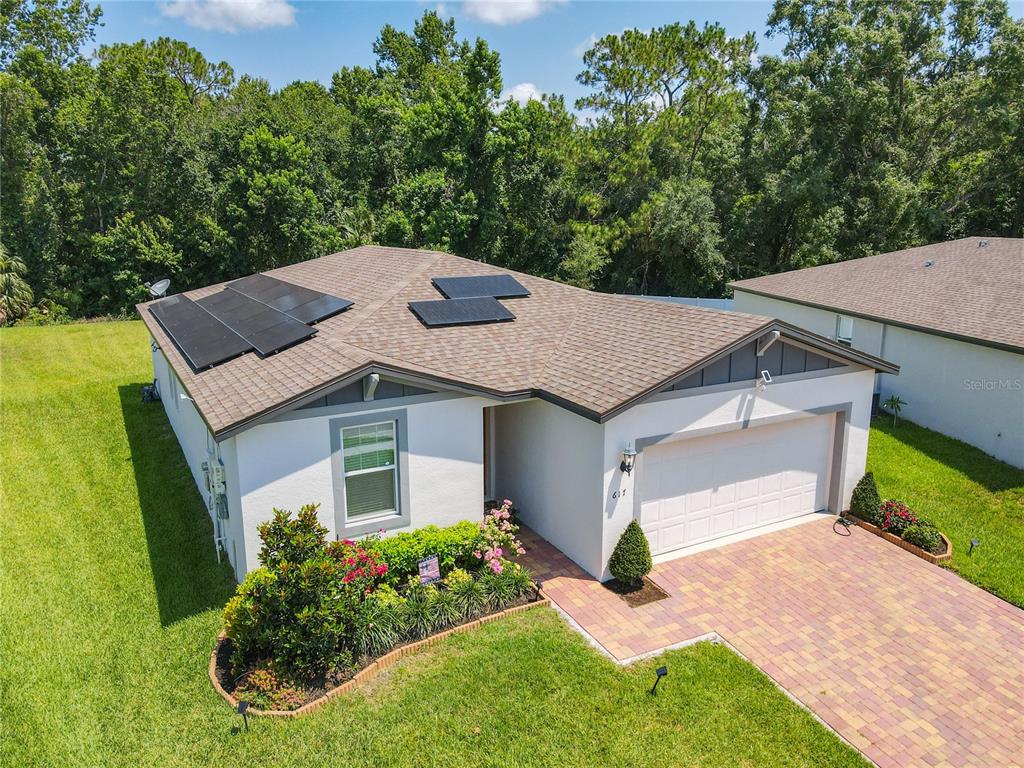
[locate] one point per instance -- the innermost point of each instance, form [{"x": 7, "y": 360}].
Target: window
[
  {"x": 370, "y": 472},
  {"x": 844, "y": 330}
]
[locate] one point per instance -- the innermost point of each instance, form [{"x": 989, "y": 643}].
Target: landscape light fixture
[
  {"x": 628, "y": 459},
  {"x": 974, "y": 543},
  {"x": 660, "y": 672},
  {"x": 243, "y": 710}
]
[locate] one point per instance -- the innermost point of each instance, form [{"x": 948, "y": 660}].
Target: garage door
[{"x": 695, "y": 490}]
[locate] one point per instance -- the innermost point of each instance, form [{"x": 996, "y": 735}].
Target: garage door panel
[{"x": 694, "y": 490}]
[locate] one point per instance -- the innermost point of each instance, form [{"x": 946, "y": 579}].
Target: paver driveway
[{"x": 911, "y": 664}]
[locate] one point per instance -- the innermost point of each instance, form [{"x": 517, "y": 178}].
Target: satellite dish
[{"x": 159, "y": 288}]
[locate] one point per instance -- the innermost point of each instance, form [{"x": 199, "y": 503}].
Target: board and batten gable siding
[
  {"x": 286, "y": 463},
  {"x": 680, "y": 415},
  {"x": 968, "y": 391},
  {"x": 196, "y": 444}
]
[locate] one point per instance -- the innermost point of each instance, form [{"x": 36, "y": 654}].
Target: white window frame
[
  {"x": 846, "y": 340},
  {"x": 392, "y": 468}
]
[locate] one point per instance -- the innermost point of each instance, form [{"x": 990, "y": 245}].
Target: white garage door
[{"x": 695, "y": 490}]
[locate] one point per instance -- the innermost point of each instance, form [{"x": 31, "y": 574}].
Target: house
[
  {"x": 950, "y": 314},
  {"x": 392, "y": 387}
]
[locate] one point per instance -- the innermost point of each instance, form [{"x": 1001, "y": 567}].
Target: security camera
[{"x": 764, "y": 380}]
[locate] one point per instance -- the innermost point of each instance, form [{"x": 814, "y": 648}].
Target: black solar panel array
[
  {"x": 256, "y": 312},
  {"x": 496, "y": 286},
  {"x": 303, "y": 304},
  {"x": 265, "y": 328},
  {"x": 477, "y": 309},
  {"x": 203, "y": 339},
  {"x": 469, "y": 300}
]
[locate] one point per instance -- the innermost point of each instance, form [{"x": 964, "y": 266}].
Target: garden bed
[
  {"x": 319, "y": 692},
  {"x": 647, "y": 592},
  {"x": 914, "y": 550}
]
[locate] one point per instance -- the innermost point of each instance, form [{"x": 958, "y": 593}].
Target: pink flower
[
  {"x": 497, "y": 552},
  {"x": 520, "y": 551},
  {"x": 496, "y": 566},
  {"x": 506, "y": 503},
  {"x": 477, "y": 554},
  {"x": 348, "y": 542}
]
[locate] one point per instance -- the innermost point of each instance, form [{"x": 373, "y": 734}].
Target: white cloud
[
  {"x": 507, "y": 11},
  {"x": 584, "y": 45},
  {"x": 522, "y": 93},
  {"x": 231, "y": 15}
]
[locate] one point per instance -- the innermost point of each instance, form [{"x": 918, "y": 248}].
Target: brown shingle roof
[
  {"x": 594, "y": 351},
  {"x": 971, "y": 292}
]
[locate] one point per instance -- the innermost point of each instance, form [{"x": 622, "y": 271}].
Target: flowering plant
[
  {"x": 498, "y": 537},
  {"x": 896, "y": 516},
  {"x": 359, "y": 568}
]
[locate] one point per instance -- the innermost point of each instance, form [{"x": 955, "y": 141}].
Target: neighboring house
[
  {"x": 950, "y": 314},
  {"x": 391, "y": 423}
]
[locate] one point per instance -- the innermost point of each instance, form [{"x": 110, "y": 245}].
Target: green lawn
[
  {"x": 966, "y": 493},
  {"x": 110, "y": 604}
]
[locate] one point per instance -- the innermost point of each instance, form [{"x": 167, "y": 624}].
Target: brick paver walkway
[{"x": 911, "y": 664}]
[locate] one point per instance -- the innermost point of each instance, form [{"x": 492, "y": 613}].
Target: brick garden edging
[
  {"x": 368, "y": 672},
  {"x": 912, "y": 549}
]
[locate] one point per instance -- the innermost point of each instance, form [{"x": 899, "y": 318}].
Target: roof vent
[
  {"x": 982, "y": 243},
  {"x": 929, "y": 263}
]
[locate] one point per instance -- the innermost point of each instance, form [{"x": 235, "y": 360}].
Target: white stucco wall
[
  {"x": 968, "y": 391},
  {"x": 694, "y": 412},
  {"x": 285, "y": 464},
  {"x": 196, "y": 444},
  {"x": 548, "y": 461}
]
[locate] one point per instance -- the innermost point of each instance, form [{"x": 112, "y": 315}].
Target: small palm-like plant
[
  {"x": 893, "y": 405},
  {"x": 15, "y": 293}
]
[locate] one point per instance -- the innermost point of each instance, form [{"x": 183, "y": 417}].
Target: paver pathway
[{"x": 910, "y": 663}]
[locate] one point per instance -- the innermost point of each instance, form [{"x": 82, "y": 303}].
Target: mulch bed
[
  {"x": 315, "y": 689},
  {"x": 647, "y": 592}
]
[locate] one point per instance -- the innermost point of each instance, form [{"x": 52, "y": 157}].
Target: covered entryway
[{"x": 697, "y": 489}]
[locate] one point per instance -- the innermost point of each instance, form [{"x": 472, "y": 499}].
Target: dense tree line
[{"x": 881, "y": 125}]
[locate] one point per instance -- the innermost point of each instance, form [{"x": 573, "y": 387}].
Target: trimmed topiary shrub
[
  {"x": 924, "y": 535},
  {"x": 631, "y": 560},
  {"x": 865, "y": 501}
]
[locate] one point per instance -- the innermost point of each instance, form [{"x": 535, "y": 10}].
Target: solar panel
[
  {"x": 496, "y": 286},
  {"x": 478, "y": 309},
  {"x": 268, "y": 330},
  {"x": 202, "y": 339},
  {"x": 302, "y": 304}
]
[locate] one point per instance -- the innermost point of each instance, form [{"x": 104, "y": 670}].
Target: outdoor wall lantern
[{"x": 628, "y": 459}]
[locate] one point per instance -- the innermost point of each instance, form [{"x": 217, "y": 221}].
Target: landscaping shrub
[
  {"x": 419, "y": 616},
  {"x": 469, "y": 593},
  {"x": 446, "y": 609},
  {"x": 896, "y": 517},
  {"x": 380, "y": 622},
  {"x": 265, "y": 688},
  {"x": 402, "y": 552},
  {"x": 924, "y": 535},
  {"x": 865, "y": 501},
  {"x": 498, "y": 538},
  {"x": 631, "y": 559},
  {"x": 300, "y": 608}
]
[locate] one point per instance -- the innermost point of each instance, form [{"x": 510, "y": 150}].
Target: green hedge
[{"x": 402, "y": 552}]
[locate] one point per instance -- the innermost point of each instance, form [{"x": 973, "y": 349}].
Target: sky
[{"x": 541, "y": 42}]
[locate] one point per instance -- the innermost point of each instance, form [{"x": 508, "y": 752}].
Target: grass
[
  {"x": 111, "y": 599},
  {"x": 965, "y": 492}
]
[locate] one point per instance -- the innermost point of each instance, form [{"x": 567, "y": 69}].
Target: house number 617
[{"x": 622, "y": 493}]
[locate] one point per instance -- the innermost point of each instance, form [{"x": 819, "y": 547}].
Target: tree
[{"x": 15, "y": 294}]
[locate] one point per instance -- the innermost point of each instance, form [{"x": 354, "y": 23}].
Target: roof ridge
[{"x": 542, "y": 368}]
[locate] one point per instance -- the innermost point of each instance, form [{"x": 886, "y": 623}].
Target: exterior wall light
[{"x": 628, "y": 459}]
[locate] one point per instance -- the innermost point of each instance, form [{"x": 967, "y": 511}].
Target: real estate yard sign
[{"x": 430, "y": 570}]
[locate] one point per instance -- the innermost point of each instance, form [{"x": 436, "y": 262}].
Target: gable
[{"x": 356, "y": 392}]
